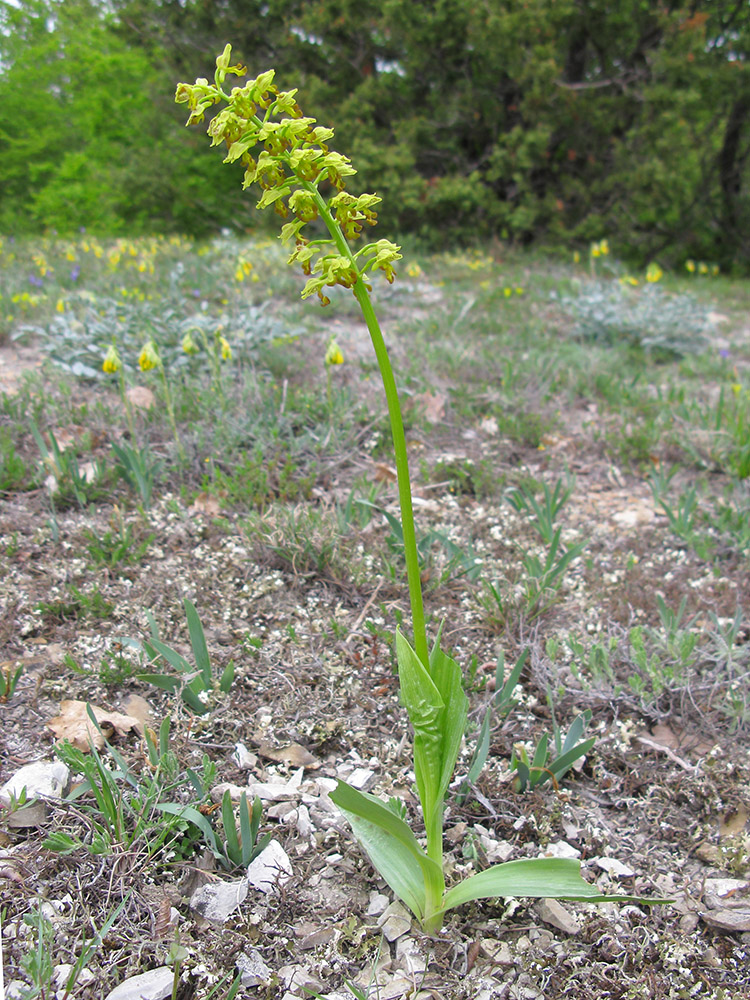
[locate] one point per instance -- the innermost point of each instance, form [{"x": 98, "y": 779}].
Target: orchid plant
[{"x": 293, "y": 167}]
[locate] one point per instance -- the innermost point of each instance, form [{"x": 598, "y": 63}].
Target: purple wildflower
[
  {"x": 75, "y": 272},
  {"x": 35, "y": 280}
]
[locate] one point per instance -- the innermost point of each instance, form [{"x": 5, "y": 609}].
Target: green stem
[
  {"x": 397, "y": 431},
  {"x": 170, "y": 412},
  {"x": 126, "y": 405}
]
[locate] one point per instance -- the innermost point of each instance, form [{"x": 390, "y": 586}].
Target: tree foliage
[{"x": 526, "y": 119}]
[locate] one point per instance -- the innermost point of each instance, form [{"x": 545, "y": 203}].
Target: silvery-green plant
[
  {"x": 291, "y": 167},
  {"x": 608, "y": 313}
]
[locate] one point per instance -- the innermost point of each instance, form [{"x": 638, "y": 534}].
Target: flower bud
[
  {"x": 189, "y": 346},
  {"x": 112, "y": 362},
  {"x": 149, "y": 357},
  {"x": 334, "y": 355}
]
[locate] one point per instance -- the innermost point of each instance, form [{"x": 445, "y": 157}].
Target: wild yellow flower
[
  {"x": 507, "y": 292},
  {"x": 519, "y": 290},
  {"x": 576, "y": 257},
  {"x": 60, "y": 306},
  {"x": 702, "y": 268},
  {"x": 244, "y": 267},
  {"x": 334, "y": 354},
  {"x": 690, "y": 266},
  {"x": 714, "y": 270},
  {"x": 600, "y": 249},
  {"x": 413, "y": 270},
  {"x": 112, "y": 362},
  {"x": 189, "y": 346},
  {"x": 149, "y": 357},
  {"x": 654, "y": 272},
  {"x": 226, "y": 350},
  {"x": 628, "y": 279}
]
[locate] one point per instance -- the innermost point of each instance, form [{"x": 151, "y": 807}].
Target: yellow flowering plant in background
[{"x": 654, "y": 273}]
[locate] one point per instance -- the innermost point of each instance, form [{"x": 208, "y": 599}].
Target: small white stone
[
  {"x": 378, "y": 904},
  {"x": 16, "y": 990},
  {"x": 44, "y": 779},
  {"x": 395, "y": 921},
  {"x": 252, "y": 969},
  {"x": 216, "y": 900},
  {"x": 153, "y": 985},
  {"x": 561, "y": 849},
  {"x": 554, "y": 913},
  {"x": 614, "y": 868},
  {"x": 270, "y": 869},
  {"x": 361, "y": 778},
  {"x": 409, "y": 957},
  {"x": 302, "y": 822},
  {"x": 281, "y": 810},
  {"x": 243, "y": 758}
]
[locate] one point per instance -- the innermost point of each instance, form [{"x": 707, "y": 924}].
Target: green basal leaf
[
  {"x": 424, "y": 705},
  {"x": 452, "y": 720},
  {"x": 191, "y": 699},
  {"x": 61, "y": 843},
  {"x": 247, "y": 833},
  {"x": 576, "y": 731},
  {"x": 550, "y": 878},
  {"x": 391, "y": 846},
  {"x": 436, "y": 705}
]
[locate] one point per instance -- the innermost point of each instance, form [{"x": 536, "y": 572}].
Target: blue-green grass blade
[{"x": 566, "y": 760}]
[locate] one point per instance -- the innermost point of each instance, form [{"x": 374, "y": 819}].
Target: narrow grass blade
[
  {"x": 230, "y": 830},
  {"x": 170, "y": 684},
  {"x": 172, "y": 657},
  {"x": 198, "y": 642},
  {"x": 247, "y": 834},
  {"x": 191, "y": 815}
]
